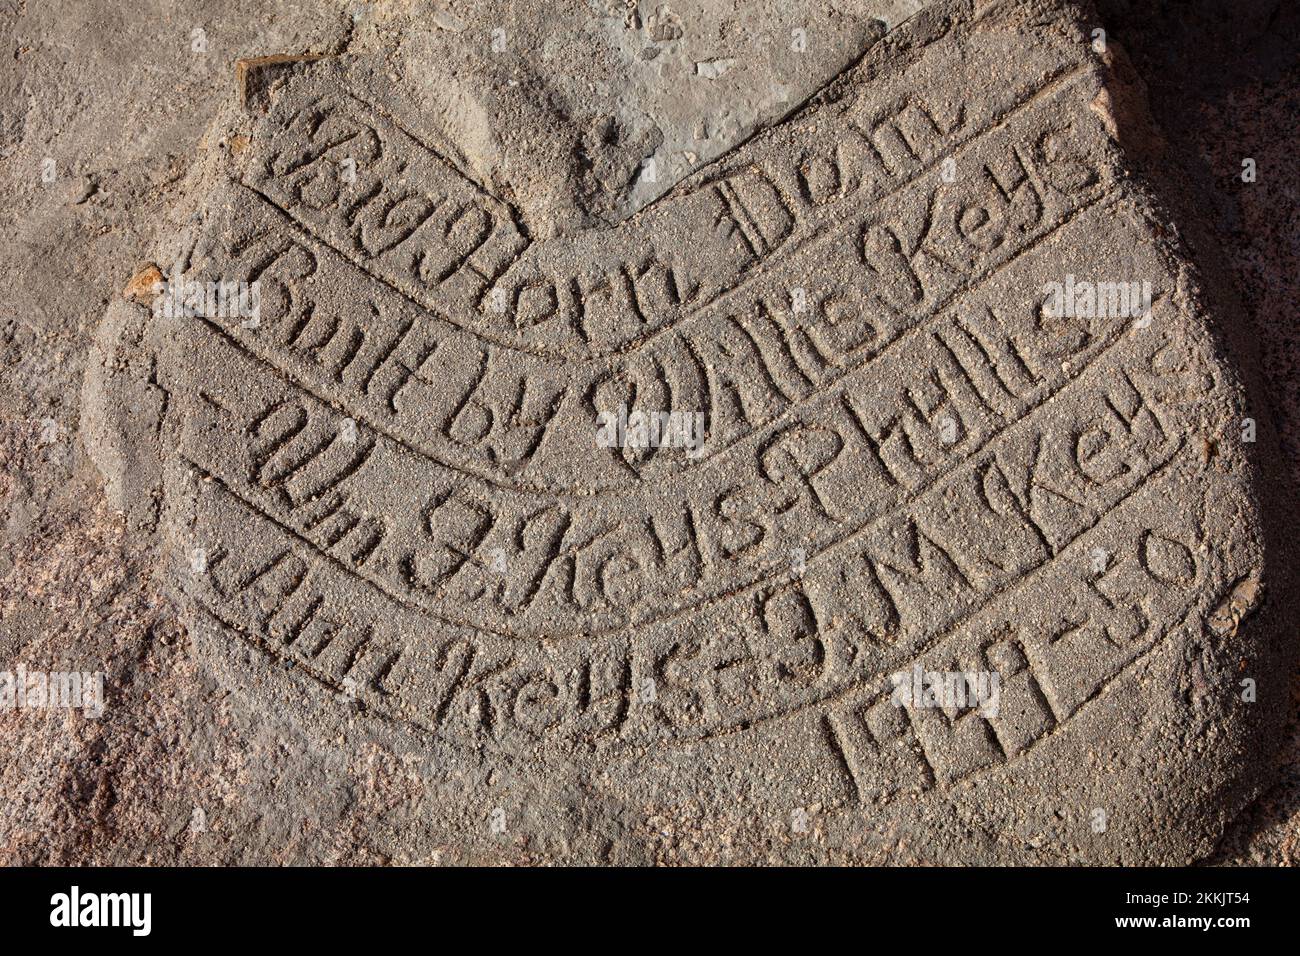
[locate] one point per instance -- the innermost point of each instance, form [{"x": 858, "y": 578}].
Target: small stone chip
[{"x": 144, "y": 285}]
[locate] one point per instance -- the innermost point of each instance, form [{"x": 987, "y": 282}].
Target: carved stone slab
[{"x": 387, "y": 513}]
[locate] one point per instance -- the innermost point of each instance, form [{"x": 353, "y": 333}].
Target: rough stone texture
[
  {"x": 416, "y": 591},
  {"x": 1242, "y": 105}
]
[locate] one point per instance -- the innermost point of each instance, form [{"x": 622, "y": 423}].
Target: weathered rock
[
  {"x": 942, "y": 434},
  {"x": 144, "y": 285}
]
